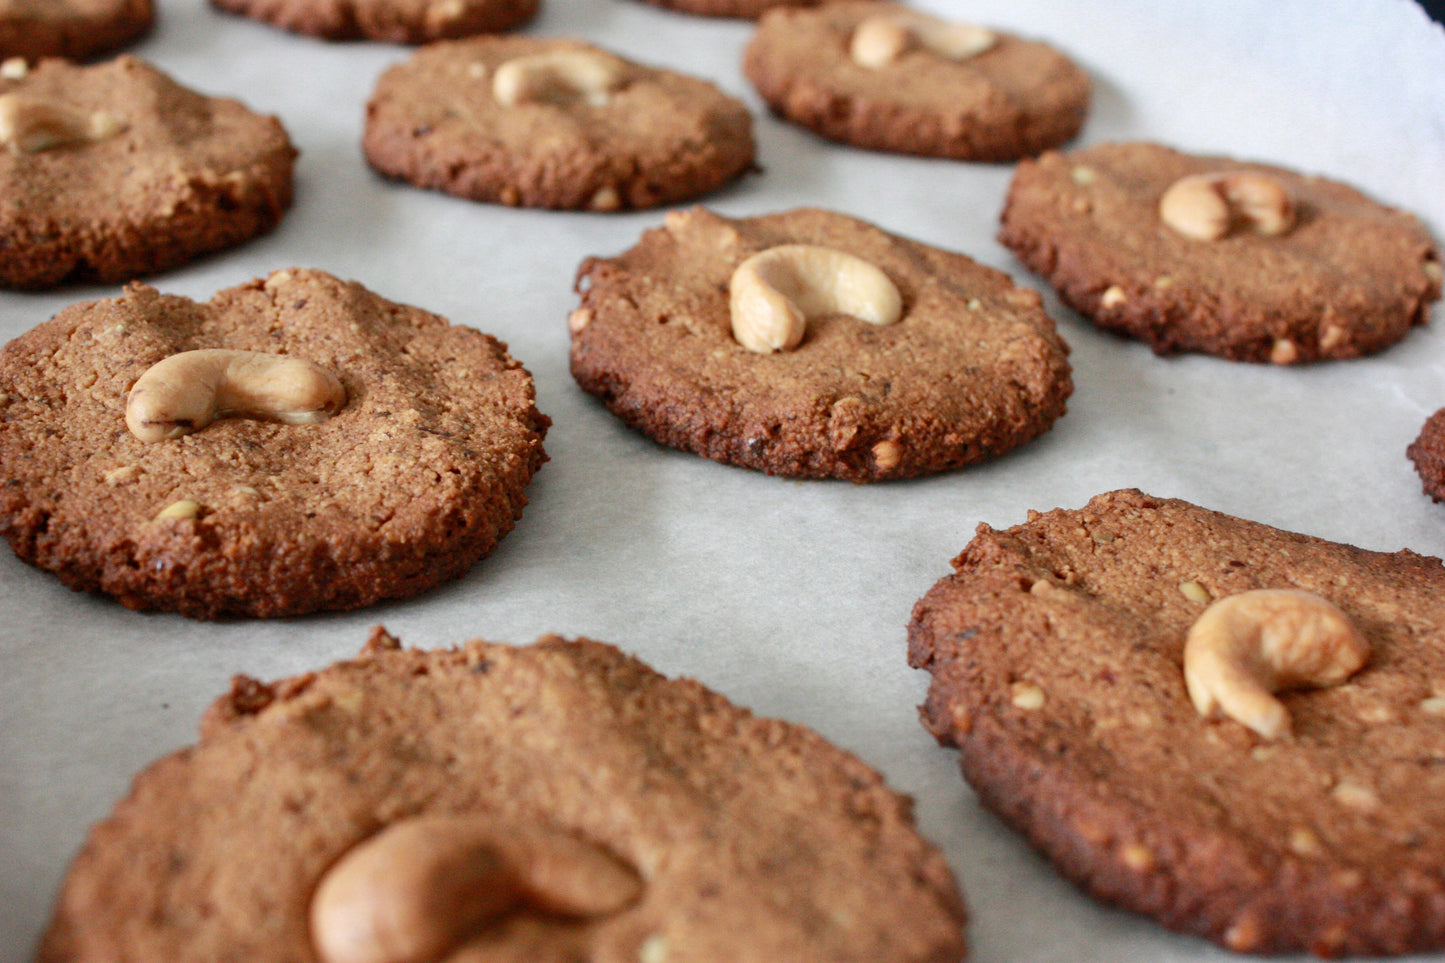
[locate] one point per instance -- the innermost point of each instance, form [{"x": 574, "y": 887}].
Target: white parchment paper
[{"x": 790, "y": 598}]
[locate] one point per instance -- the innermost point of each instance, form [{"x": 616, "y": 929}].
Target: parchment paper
[{"x": 789, "y": 597}]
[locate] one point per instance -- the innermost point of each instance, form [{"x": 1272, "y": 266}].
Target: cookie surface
[
  {"x": 972, "y": 369},
  {"x": 751, "y": 839},
  {"x": 1014, "y": 98},
  {"x": 744, "y": 9},
  {"x": 413, "y": 480},
  {"x": 582, "y": 129},
  {"x": 1056, "y": 650},
  {"x": 1427, "y": 452},
  {"x": 389, "y": 21},
  {"x": 73, "y": 29},
  {"x": 1348, "y": 278},
  {"x": 151, "y": 175}
]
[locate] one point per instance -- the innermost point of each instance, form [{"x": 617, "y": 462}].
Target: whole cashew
[
  {"x": 1206, "y": 206},
  {"x": 559, "y": 77},
  {"x": 187, "y": 391},
  {"x": 774, "y": 292},
  {"x": 419, "y": 889},
  {"x": 881, "y": 39},
  {"x": 30, "y": 125},
  {"x": 1244, "y": 647}
]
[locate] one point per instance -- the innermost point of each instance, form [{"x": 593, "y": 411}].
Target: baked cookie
[
  {"x": 881, "y": 76},
  {"x": 113, "y": 171},
  {"x": 553, "y": 123},
  {"x": 743, "y": 9},
  {"x": 1073, "y": 657},
  {"x": 373, "y": 450},
  {"x": 559, "y": 801},
  {"x": 389, "y": 21},
  {"x": 74, "y": 29},
  {"x": 1428, "y": 453},
  {"x": 747, "y": 341},
  {"x": 1240, "y": 260}
]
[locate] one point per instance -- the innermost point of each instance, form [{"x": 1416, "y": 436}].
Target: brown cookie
[
  {"x": 1427, "y": 451},
  {"x": 417, "y": 475},
  {"x": 595, "y": 809},
  {"x": 114, "y": 171},
  {"x": 743, "y": 9},
  {"x": 553, "y": 123},
  {"x": 1249, "y": 262},
  {"x": 1058, "y": 648},
  {"x": 880, "y": 76},
  {"x": 390, "y": 21},
  {"x": 73, "y": 29},
  {"x": 971, "y": 368}
]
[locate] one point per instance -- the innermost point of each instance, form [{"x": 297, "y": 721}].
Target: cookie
[
  {"x": 596, "y": 810},
  {"x": 1059, "y": 656},
  {"x": 1245, "y": 261},
  {"x": 372, "y": 451},
  {"x": 73, "y": 29},
  {"x": 114, "y": 171},
  {"x": 742, "y": 9},
  {"x": 880, "y": 76},
  {"x": 1427, "y": 452},
  {"x": 389, "y": 21},
  {"x": 553, "y": 123},
  {"x": 968, "y": 366}
]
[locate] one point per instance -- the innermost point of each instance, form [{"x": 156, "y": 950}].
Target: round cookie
[
  {"x": 112, "y": 171},
  {"x": 1057, "y": 651},
  {"x": 1346, "y": 278},
  {"x": 743, "y": 9},
  {"x": 677, "y": 825},
  {"x": 1011, "y": 98},
  {"x": 73, "y": 29},
  {"x": 415, "y": 478},
  {"x": 1427, "y": 451},
  {"x": 388, "y": 21},
  {"x": 972, "y": 368},
  {"x": 553, "y": 123}
]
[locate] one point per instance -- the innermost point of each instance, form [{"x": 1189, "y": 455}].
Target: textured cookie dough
[
  {"x": 726, "y": 837},
  {"x": 1348, "y": 277},
  {"x": 73, "y": 29},
  {"x": 410, "y": 483},
  {"x": 588, "y": 130},
  {"x": 1427, "y": 452},
  {"x": 113, "y": 171},
  {"x": 390, "y": 21},
  {"x": 743, "y": 9},
  {"x": 1056, "y": 650},
  {"x": 972, "y": 368},
  {"x": 1014, "y": 98}
]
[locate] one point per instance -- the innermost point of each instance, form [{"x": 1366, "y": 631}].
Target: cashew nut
[
  {"x": 419, "y": 889},
  {"x": 559, "y": 77},
  {"x": 30, "y": 125},
  {"x": 1244, "y": 647},
  {"x": 881, "y": 39},
  {"x": 187, "y": 391},
  {"x": 774, "y": 292},
  {"x": 1206, "y": 207}
]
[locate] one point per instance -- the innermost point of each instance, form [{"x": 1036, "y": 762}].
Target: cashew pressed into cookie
[
  {"x": 1206, "y": 207},
  {"x": 417, "y": 891},
  {"x": 881, "y": 39},
  {"x": 29, "y": 124},
  {"x": 559, "y": 77},
  {"x": 187, "y": 391},
  {"x": 774, "y": 292},
  {"x": 1244, "y": 647}
]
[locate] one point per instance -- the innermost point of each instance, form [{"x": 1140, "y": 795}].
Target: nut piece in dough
[
  {"x": 559, "y": 77},
  {"x": 416, "y": 891},
  {"x": 29, "y": 125},
  {"x": 881, "y": 39},
  {"x": 1207, "y": 207},
  {"x": 774, "y": 292},
  {"x": 1244, "y": 647},
  {"x": 187, "y": 391}
]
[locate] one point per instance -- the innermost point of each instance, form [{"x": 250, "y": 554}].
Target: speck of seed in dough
[
  {"x": 974, "y": 304},
  {"x": 14, "y": 68},
  {"x": 1434, "y": 271},
  {"x": 1083, "y": 175},
  {"x": 653, "y": 950},
  {"x": 1137, "y": 857},
  {"x": 1195, "y": 592},
  {"x": 121, "y": 475},
  {"x": 1026, "y": 695},
  {"x": 185, "y": 508},
  {"x": 887, "y": 455},
  {"x": 1163, "y": 281},
  {"x": 1284, "y": 352},
  {"x": 1355, "y": 796},
  {"x": 1304, "y": 842},
  {"x": 1113, "y": 297},
  {"x": 1433, "y": 706},
  {"x": 578, "y": 320}
]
